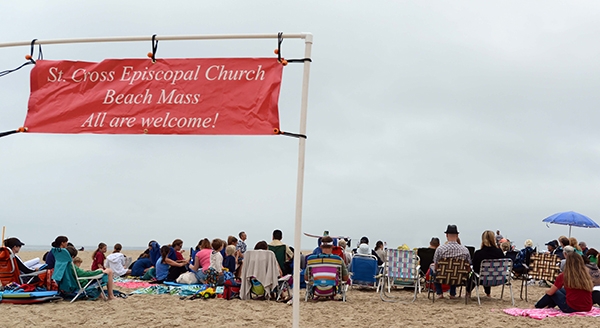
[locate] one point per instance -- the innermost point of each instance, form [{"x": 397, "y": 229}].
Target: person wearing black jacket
[{"x": 489, "y": 251}]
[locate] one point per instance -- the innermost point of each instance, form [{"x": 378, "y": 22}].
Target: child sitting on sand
[
  {"x": 214, "y": 274},
  {"x": 98, "y": 257},
  {"x": 118, "y": 262},
  {"x": 230, "y": 260},
  {"x": 107, "y": 278}
]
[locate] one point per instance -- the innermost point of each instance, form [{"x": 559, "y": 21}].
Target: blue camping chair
[{"x": 364, "y": 271}]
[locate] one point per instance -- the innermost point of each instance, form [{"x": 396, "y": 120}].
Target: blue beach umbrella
[{"x": 572, "y": 219}]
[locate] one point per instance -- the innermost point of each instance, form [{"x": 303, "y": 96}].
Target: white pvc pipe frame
[{"x": 308, "y": 40}]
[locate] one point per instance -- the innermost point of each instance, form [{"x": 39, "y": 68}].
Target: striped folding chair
[
  {"x": 324, "y": 278},
  {"x": 451, "y": 271},
  {"x": 401, "y": 269},
  {"x": 495, "y": 273},
  {"x": 543, "y": 266}
]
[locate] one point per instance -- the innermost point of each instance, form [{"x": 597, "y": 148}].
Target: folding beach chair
[
  {"x": 324, "y": 277},
  {"x": 495, "y": 273},
  {"x": 471, "y": 250},
  {"x": 284, "y": 286},
  {"x": 543, "y": 266},
  {"x": 9, "y": 270},
  {"x": 260, "y": 266},
  {"x": 66, "y": 277},
  {"x": 364, "y": 270},
  {"x": 425, "y": 259},
  {"x": 280, "y": 256},
  {"x": 451, "y": 271},
  {"x": 401, "y": 269}
]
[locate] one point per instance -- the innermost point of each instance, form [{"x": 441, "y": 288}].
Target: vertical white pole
[{"x": 300, "y": 184}]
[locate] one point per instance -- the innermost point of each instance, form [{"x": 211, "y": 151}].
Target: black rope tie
[
  {"x": 31, "y": 50},
  {"x": 289, "y": 134},
  {"x": 29, "y": 58},
  {"x": 282, "y": 60},
  {"x": 154, "y": 48}
]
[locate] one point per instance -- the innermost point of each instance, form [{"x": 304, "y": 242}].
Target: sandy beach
[{"x": 362, "y": 309}]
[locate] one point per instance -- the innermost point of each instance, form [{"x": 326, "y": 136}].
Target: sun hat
[{"x": 363, "y": 249}]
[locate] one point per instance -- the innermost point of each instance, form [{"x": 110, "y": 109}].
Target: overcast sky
[{"x": 421, "y": 114}]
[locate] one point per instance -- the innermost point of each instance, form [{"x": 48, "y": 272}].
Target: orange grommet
[
  {"x": 28, "y": 57},
  {"x": 276, "y": 131},
  {"x": 149, "y": 55},
  {"x": 145, "y": 131},
  {"x": 284, "y": 62},
  {"x": 276, "y": 51}
]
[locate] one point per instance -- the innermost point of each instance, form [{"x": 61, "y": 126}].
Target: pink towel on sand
[
  {"x": 133, "y": 284},
  {"x": 540, "y": 314}
]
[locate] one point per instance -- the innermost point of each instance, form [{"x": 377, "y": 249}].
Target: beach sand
[{"x": 362, "y": 309}]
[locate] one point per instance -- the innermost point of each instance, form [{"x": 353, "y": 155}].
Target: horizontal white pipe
[{"x": 307, "y": 36}]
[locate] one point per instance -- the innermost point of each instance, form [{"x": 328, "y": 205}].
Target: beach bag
[
  {"x": 232, "y": 289},
  {"x": 430, "y": 286},
  {"x": 188, "y": 278}
]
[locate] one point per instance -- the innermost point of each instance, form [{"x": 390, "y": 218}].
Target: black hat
[
  {"x": 452, "y": 229},
  {"x": 364, "y": 240},
  {"x": 12, "y": 242},
  {"x": 552, "y": 243}
]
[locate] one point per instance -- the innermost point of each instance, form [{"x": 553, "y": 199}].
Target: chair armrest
[
  {"x": 98, "y": 276},
  {"x": 33, "y": 274}
]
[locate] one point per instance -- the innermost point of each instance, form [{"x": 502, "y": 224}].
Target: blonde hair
[
  {"x": 573, "y": 242},
  {"x": 488, "y": 239},
  {"x": 77, "y": 259},
  {"x": 528, "y": 243},
  {"x": 576, "y": 275},
  {"x": 505, "y": 246},
  {"x": 229, "y": 250}
]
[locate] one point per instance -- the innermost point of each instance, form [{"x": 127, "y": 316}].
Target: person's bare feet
[
  {"x": 439, "y": 296},
  {"x": 452, "y": 297}
]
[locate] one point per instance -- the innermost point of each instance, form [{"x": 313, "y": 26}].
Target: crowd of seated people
[{"x": 217, "y": 260}]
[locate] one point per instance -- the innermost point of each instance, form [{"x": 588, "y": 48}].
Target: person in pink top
[
  {"x": 202, "y": 261},
  {"x": 98, "y": 257}
]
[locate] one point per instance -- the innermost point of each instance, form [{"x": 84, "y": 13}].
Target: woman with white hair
[{"x": 523, "y": 257}]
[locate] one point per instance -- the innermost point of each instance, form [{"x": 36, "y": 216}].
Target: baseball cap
[{"x": 12, "y": 242}]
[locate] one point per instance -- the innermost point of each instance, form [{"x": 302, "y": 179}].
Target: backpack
[{"x": 232, "y": 289}]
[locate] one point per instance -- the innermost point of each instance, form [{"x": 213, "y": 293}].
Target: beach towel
[
  {"x": 131, "y": 283},
  {"x": 172, "y": 290},
  {"x": 262, "y": 265},
  {"x": 63, "y": 273},
  {"x": 540, "y": 314}
]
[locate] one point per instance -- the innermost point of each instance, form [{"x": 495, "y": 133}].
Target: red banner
[{"x": 236, "y": 96}]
